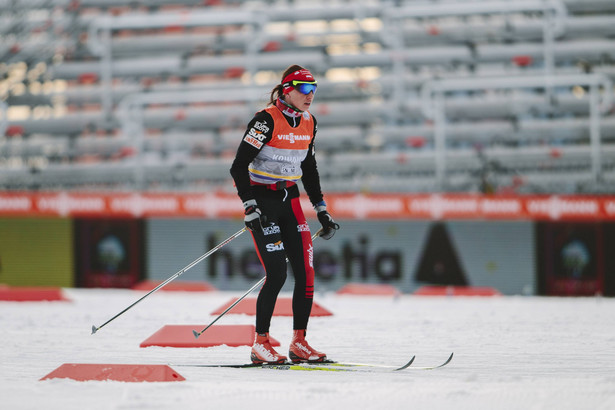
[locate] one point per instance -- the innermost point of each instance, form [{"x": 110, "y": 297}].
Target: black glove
[
  {"x": 254, "y": 219},
  {"x": 328, "y": 224}
]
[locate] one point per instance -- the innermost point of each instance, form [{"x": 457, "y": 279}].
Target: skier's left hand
[{"x": 329, "y": 226}]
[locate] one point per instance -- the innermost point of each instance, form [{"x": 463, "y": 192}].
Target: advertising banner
[
  {"x": 609, "y": 259},
  {"x": 572, "y": 258},
  {"x": 36, "y": 252},
  {"x": 406, "y": 254},
  {"x": 403, "y": 239},
  {"x": 351, "y": 206},
  {"x": 109, "y": 252}
]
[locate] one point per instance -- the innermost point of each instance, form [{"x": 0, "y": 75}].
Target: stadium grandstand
[{"x": 414, "y": 96}]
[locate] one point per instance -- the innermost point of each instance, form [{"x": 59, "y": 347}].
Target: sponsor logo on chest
[{"x": 292, "y": 138}]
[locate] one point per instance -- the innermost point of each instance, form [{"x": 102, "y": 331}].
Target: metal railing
[{"x": 434, "y": 92}]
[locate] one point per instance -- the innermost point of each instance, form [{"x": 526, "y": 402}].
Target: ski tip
[
  {"x": 446, "y": 362},
  {"x": 407, "y": 364},
  {"x": 94, "y": 329},
  {"x": 196, "y": 334}
]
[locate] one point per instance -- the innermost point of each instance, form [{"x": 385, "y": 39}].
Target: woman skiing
[{"x": 276, "y": 151}]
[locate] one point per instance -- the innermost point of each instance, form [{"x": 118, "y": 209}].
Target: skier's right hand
[{"x": 254, "y": 219}]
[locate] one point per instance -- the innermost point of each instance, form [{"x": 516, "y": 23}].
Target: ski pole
[
  {"x": 256, "y": 285},
  {"x": 196, "y": 261}
]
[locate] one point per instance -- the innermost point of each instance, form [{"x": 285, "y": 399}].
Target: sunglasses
[{"x": 304, "y": 87}]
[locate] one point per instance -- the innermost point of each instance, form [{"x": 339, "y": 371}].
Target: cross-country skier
[{"x": 277, "y": 150}]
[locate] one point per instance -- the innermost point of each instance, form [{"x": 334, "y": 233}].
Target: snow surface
[{"x": 510, "y": 353}]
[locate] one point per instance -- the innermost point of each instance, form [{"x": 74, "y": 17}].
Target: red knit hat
[{"x": 299, "y": 75}]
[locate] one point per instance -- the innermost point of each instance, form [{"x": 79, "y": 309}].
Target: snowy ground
[{"x": 510, "y": 353}]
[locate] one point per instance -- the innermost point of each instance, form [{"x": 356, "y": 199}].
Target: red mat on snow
[
  {"x": 31, "y": 294},
  {"x": 368, "y": 289},
  {"x": 283, "y": 307},
  {"x": 181, "y": 286},
  {"x": 182, "y": 336},
  {"x": 117, "y": 372},
  {"x": 457, "y": 291}
]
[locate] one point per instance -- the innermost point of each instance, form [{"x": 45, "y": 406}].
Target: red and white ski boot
[
  {"x": 300, "y": 351},
  {"x": 262, "y": 352}
]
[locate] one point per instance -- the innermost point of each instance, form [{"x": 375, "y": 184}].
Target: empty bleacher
[{"x": 155, "y": 95}]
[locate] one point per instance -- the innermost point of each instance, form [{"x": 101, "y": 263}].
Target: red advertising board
[{"x": 348, "y": 206}]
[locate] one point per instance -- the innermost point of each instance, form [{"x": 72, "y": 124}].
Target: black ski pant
[{"x": 285, "y": 234}]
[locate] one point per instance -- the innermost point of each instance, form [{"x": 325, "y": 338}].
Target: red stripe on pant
[{"x": 308, "y": 248}]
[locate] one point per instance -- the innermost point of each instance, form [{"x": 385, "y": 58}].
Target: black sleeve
[
  {"x": 310, "y": 178},
  {"x": 258, "y": 133}
]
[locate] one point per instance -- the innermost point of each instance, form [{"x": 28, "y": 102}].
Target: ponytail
[{"x": 275, "y": 94}]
